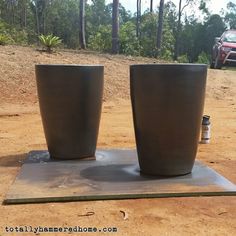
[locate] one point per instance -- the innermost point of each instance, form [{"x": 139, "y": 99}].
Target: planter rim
[
  {"x": 169, "y": 64},
  {"x": 68, "y": 65}
]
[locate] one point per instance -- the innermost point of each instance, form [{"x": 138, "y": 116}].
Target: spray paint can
[{"x": 206, "y": 129}]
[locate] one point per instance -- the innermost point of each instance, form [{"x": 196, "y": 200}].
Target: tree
[
  {"x": 214, "y": 27},
  {"x": 230, "y": 16},
  {"x": 124, "y": 15},
  {"x": 192, "y": 39},
  {"x": 115, "y": 27},
  {"x": 166, "y": 33},
  {"x": 23, "y": 13},
  {"x": 97, "y": 14},
  {"x": 11, "y": 10},
  {"x": 129, "y": 44},
  {"x": 82, "y": 24},
  {"x": 138, "y": 19},
  {"x": 180, "y": 12},
  {"x": 61, "y": 18},
  {"x": 160, "y": 26},
  {"x": 203, "y": 8},
  {"x": 38, "y": 7},
  {"x": 34, "y": 6},
  {"x": 147, "y": 39},
  {"x": 151, "y": 6}
]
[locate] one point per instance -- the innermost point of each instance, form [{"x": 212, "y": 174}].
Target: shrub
[
  {"x": 183, "y": 59},
  {"x": 129, "y": 43},
  {"x": 148, "y": 35},
  {"x": 49, "y": 41},
  {"x": 101, "y": 40},
  {"x": 3, "y": 39},
  {"x": 19, "y": 36},
  {"x": 12, "y": 35},
  {"x": 203, "y": 58}
]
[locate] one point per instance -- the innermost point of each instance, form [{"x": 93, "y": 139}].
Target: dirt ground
[{"x": 21, "y": 131}]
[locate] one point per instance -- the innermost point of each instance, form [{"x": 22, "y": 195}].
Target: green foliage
[
  {"x": 148, "y": 34},
  {"x": 22, "y": 21},
  {"x": 3, "y": 39},
  {"x": 129, "y": 44},
  {"x": 61, "y": 19},
  {"x": 167, "y": 46},
  {"x": 97, "y": 14},
  {"x": 214, "y": 27},
  {"x": 101, "y": 40},
  {"x": 19, "y": 37},
  {"x": 230, "y": 16},
  {"x": 183, "y": 59},
  {"x": 124, "y": 15},
  {"x": 203, "y": 8},
  {"x": 190, "y": 41},
  {"x": 49, "y": 41},
  {"x": 203, "y": 58},
  {"x": 12, "y": 35},
  {"x": 197, "y": 37}
]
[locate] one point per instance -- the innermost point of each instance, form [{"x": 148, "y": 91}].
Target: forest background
[{"x": 168, "y": 31}]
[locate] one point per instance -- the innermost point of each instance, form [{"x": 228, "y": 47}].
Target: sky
[{"x": 214, "y": 6}]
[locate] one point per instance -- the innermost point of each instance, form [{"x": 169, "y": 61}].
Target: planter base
[
  {"x": 72, "y": 157},
  {"x": 114, "y": 175}
]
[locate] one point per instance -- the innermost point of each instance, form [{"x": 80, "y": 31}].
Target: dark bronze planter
[
  {"x": 70, "y": 99},
  {"x": 167, "y": 103}
]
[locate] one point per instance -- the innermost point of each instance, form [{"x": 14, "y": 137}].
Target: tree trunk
[
  {"x": 151, "y": 6},
  {"x": 82, "y": 40},
  {"x": 22, "y": 13},
  {"x": 177, "y": 37},
  {"x": 115, "y": 27},
  {"x": 13, "y": 13},
  {"x": 37, "y": 17},
  {"x": 138, "y": 20},
  {"x": 160, "y": 26},
  {"x": 25, "y": 15}
]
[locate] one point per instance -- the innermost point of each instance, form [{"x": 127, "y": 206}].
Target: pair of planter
[{"x": 167, "y": 104}]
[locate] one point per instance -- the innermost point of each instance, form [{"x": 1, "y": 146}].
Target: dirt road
[{"x": 21, "y": 131}]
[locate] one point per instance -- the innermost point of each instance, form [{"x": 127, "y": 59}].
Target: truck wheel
[
  {"x": 212, "y": 65},
  {"x": 218, "y": 64}
]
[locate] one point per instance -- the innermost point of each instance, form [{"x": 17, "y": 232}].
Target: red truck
[{"x": 224, "y": 50}]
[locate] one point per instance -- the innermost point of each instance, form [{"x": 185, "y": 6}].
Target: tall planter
[
  {"x": 167, "y": 103},
  {"x": 70, "y": 99}
]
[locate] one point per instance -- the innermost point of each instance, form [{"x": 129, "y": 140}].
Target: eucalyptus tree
[
  {"x": 115, "y": 27},
  {"x": 138, "y": 19},
  {"x": 181, "y": 7},
  {"x": 230, "y": 16},
  {"x": 23, "y": 7},
  {"x": 160, "y": 26},
  {"x": 82, "y": 39},
  {"x": 151, "y": 6},
  {"x": 38, "y": 7},
  {"x": 8, "y": 11}
]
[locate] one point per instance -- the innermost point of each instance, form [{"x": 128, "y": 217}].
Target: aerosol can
[{"x": 206, "y": 130}]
